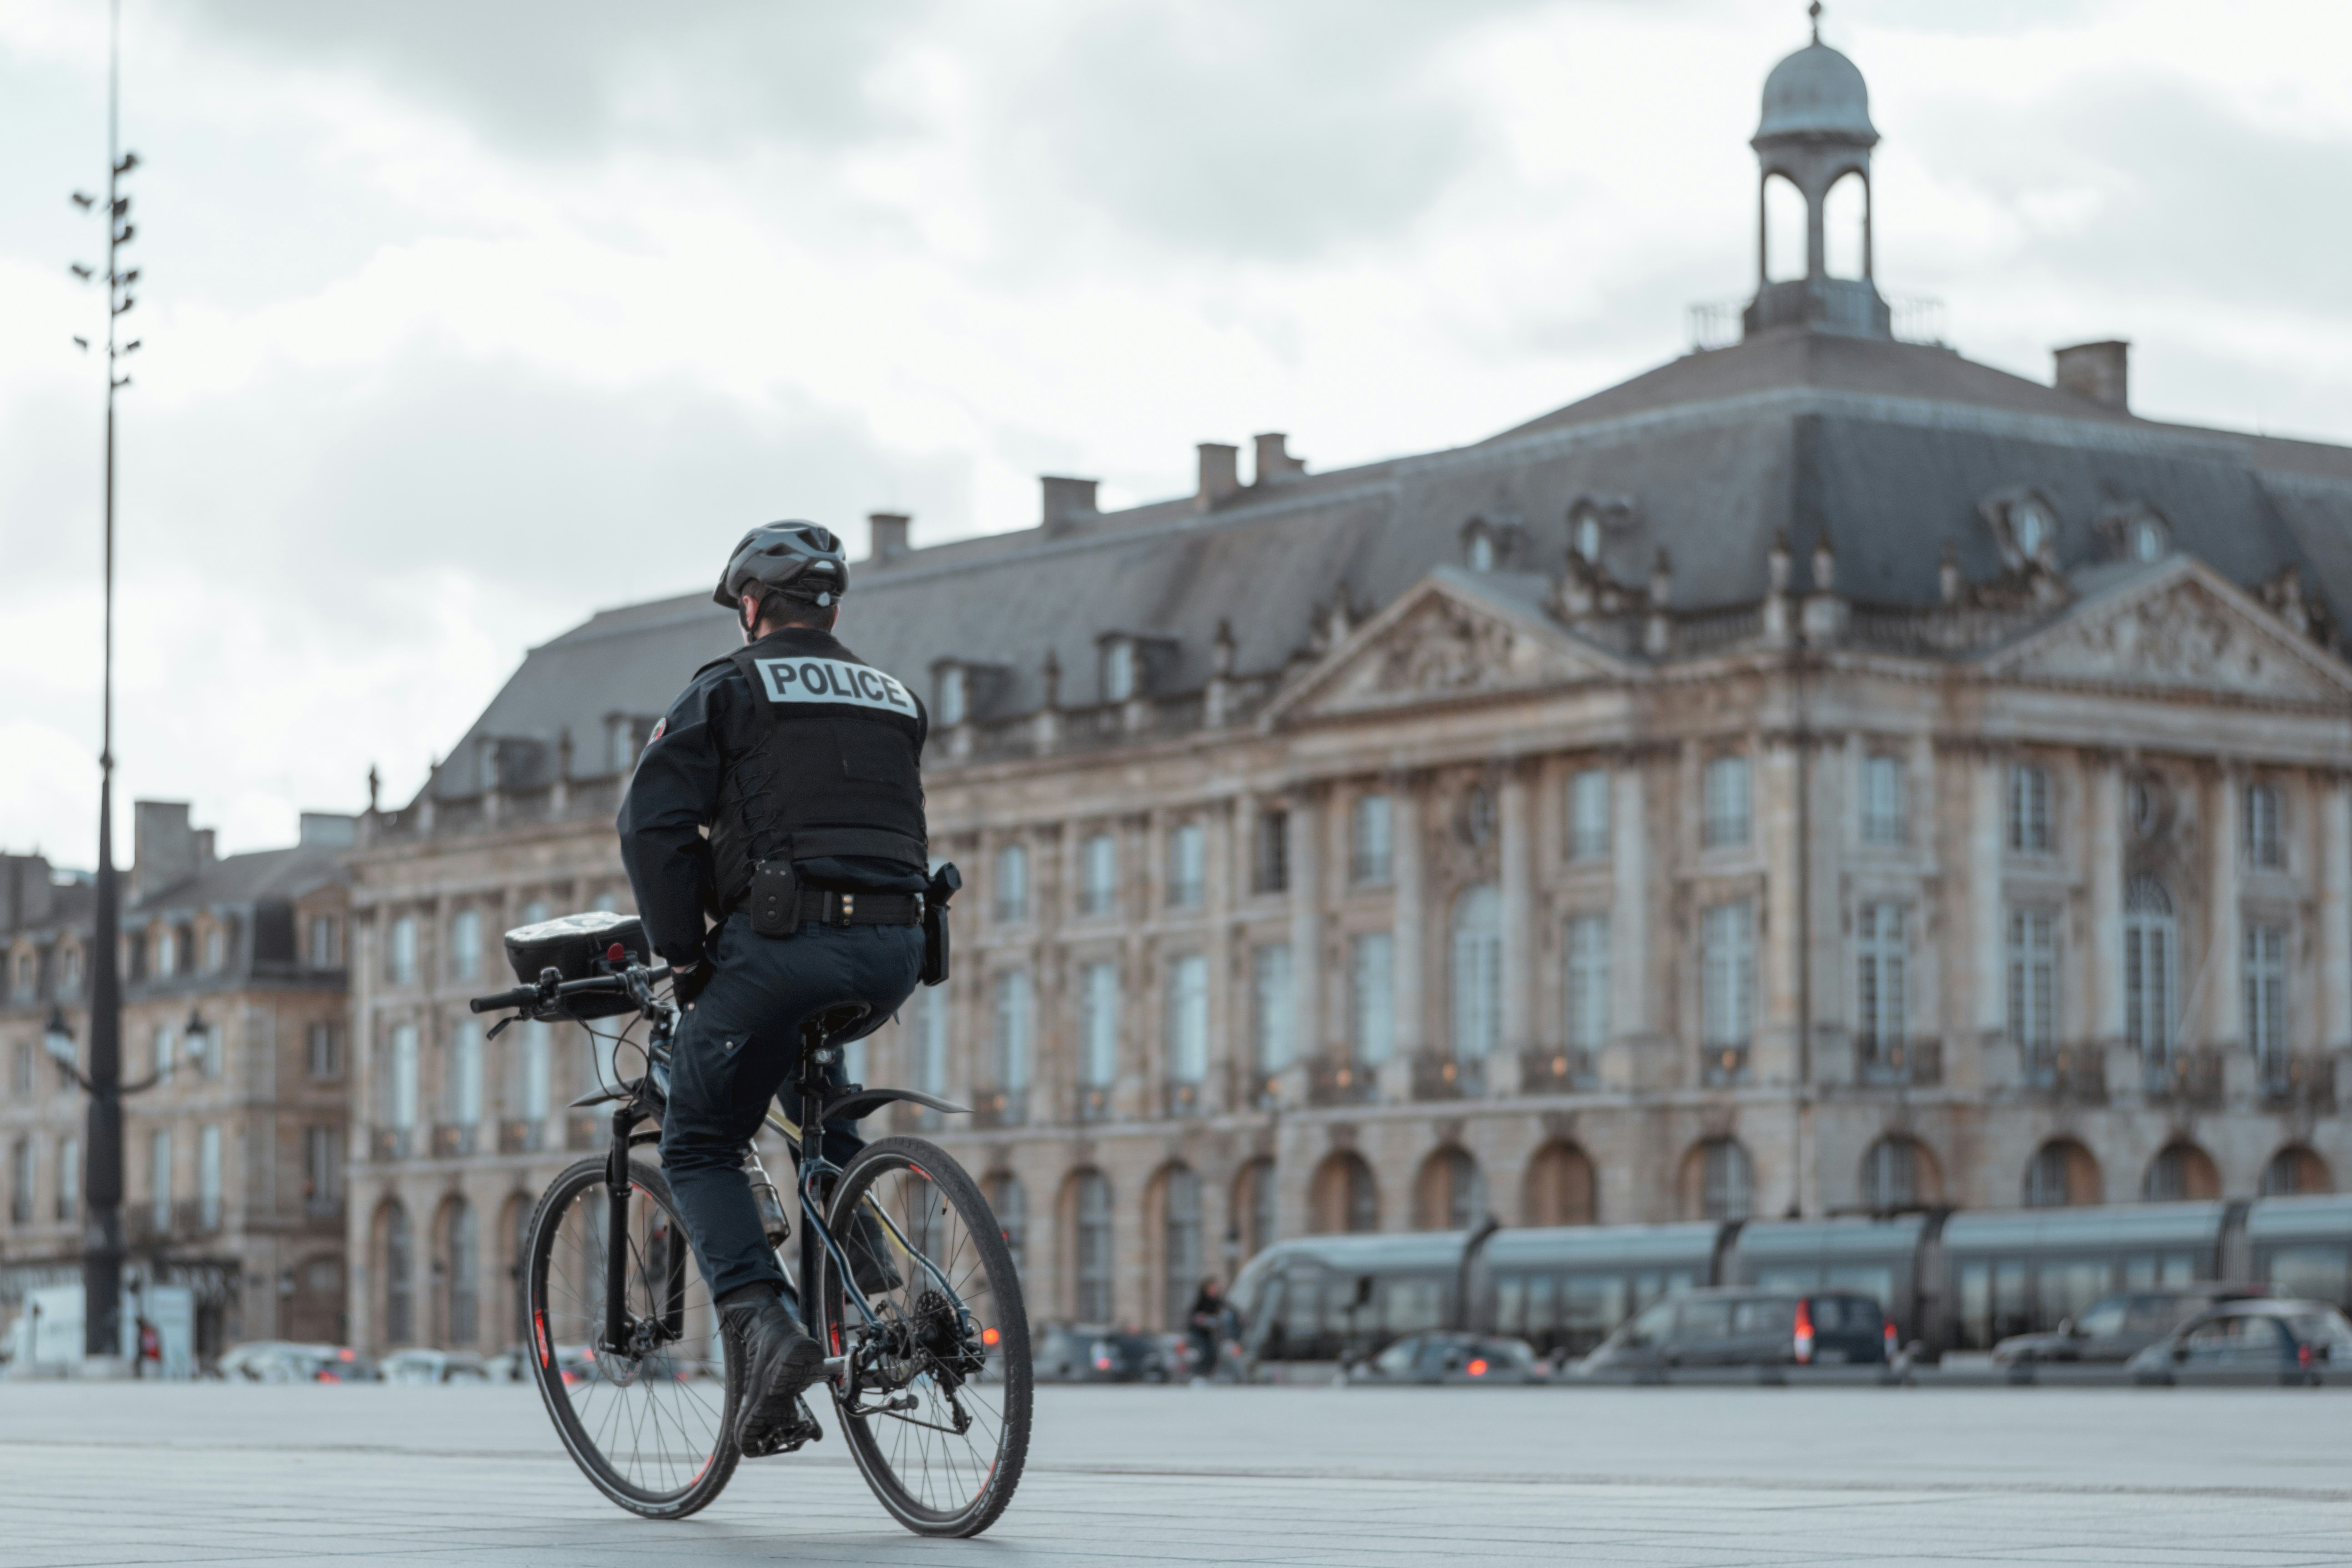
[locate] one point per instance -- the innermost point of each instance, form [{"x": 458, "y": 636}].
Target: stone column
[
  {"x": 1515, "y": 806},
  {"x": 2103, "y": 1007},
  {"x": 1229, "y": 1062},
  {"x": 1973, "y": 1061},
  {"x": 1407, "y": 936},
  {"x": 2334, "y": 795},
  {"x": 1623, "y": 1064},
  {"x": 1781, "y": 945},
  {"x": 2223, "y": 939},
  {"x": 1305, "y": 848}
]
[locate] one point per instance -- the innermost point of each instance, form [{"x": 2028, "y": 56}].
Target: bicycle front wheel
[
  {"x": 936, "y": 1404},
  {"x": 649, "y": 1420}
]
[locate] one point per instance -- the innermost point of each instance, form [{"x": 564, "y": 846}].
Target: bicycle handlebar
[{"x": 536, "y": 996}]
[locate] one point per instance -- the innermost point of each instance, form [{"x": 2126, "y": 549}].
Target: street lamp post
[{"x": 101, "y": 1247}]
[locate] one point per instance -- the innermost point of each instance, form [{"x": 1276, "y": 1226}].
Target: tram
[{"x": 1950, "y": 1280}]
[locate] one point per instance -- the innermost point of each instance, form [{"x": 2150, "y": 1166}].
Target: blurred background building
[
  {"x": 1820, "y": 774},
  {"x": 235, "y": 1005}
]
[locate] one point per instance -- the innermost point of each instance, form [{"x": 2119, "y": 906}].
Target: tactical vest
[{"x": 821, "y": 761}]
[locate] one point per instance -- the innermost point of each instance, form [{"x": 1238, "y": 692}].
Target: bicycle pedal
[{"x": 802, "y": 1431}]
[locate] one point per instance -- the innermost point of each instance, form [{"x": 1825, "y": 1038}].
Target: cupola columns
[{"x": 1814, "y": 132}]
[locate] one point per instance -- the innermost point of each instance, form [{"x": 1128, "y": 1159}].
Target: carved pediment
[
  {"x": 1438, "y": 645},
  {"x": 2188, "y": 632}
]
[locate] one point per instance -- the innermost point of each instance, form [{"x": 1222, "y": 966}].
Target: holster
[
  {"x": 944, "y": 884},
  {"x": 774, "y": 902}
]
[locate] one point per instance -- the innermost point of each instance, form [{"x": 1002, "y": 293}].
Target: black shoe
[
  {"x": 779, "y": 1361},
  {"x": 868, "y": 1248}
]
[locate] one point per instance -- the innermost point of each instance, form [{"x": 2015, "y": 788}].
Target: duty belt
[{"x": 834, "y": 907}]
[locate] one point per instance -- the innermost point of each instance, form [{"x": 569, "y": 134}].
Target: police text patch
[{"x": 816, "y": 680}]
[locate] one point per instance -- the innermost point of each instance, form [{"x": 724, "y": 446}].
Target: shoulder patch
[
  {"x": 792, "y": 682},
  {"x": 661, "y": 726}
]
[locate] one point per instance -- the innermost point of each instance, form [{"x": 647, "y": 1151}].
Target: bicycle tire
[
  {"x": 592, "y": 1405},
  {"x": 922, "y": 1188}
]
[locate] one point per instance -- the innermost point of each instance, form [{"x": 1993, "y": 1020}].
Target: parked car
[
  {"x": 1078, "y": 1353},
  {"x": 1450, "y": 1358},
  {"x": 2117, "y": 1327},
  {"x": 2266, "y": 1340},
  {"x": 511, "y": 1364},
  {"x": 1734, "y": 1328},
  {"x": 245, "y": 1360},
  {"x": 434, "y": 1366},
  {"x": 285, "y": 1361}
]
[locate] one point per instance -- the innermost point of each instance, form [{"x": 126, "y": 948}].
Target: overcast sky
[{"x": 463, "y": 320}]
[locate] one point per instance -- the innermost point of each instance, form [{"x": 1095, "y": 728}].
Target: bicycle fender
[{"x": 863, "y": 1102}]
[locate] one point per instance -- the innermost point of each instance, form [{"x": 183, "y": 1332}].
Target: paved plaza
[{"x": 211, "y": 1473}]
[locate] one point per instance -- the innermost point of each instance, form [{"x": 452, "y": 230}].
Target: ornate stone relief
[
  {"x": 2183, "y": 638},
  {"x": 1446, "y": 648}
]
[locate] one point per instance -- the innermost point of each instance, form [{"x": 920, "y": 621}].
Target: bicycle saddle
[{"x": 827, "y": 1024}]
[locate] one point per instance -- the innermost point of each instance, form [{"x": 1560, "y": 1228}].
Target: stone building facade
[
  {"x": 1822, "y": 774},
  {"x": 234, "y": 1005}
]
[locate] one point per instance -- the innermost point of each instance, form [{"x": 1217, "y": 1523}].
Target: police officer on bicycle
[{"x": 780, "y": 797}]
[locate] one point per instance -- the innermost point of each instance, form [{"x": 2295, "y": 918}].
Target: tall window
[
  {"x": 1273, "y": 1006},
  {"x": 1477, "y": 973},
  {"x": 1371, "y": 841},
  {"x": 399, "y": 1303},
  {"x": 1092, "y": 1298},
  {"x": 323, "y": 949},
  {"x": 165, "y": 1057},
  {"x": 404, "y": 1084},
  {"x": 1270, "y": 862},
  {"x": 1188, "y": 1018},
  {"x": 1254, "y": 1201},
  {"x": 1012, "y": 883},
  {"x": 1890, "y": 1174},
  {"x": 1181, "y": 1242},
  {"x": 466, "y": 945},
  {"x": 2151, "y": 964},
  {"x": 208, "y": 1177},
  {"x": 2265, "y": 994},
  {"x": 1882, "y": 978},
  {"x": 465, "y": 1275},
  {"x": 1011, "y": 1200},
  {"x": 1883, "y": 801},
  {"x": 2263, "y": 839},
  {"x": 1727, "y": 975},
  {"x": 1723, "y": 819},
  {"x": 1371, "y": 996},
  {"x": 1014, "y": 1016},
  {"x": 2033, "y": 980},
  {"x": 1099, "y": 875},
  {"x": 1726, "y": 1181},
  {"x": 20, "y": 1071},
  {"x": 1587, "y": 989},
  {"x": 167, "y": 951},
  {"x": 1188, "y": 866},
  {"x": 400, "y": 952},
  {"x": 69, "y": 1178},
  {"x": 1588, "y": 814},
  {"x": 932, "y": 1041},
  {"x": 215, "y": 949},
  {"x": 159, "y": 1178},
  {"x": 1120, "y": 682},
  {"x": 1099, "y": 1024},
  {"x": 20, "y": 1182},
  {"x": 2029, "y": 810},
  {"x": 465, "y": 1085},
  {"x": 955, "y": 706},
  {"x": 322, "y": 1169},
  {"x": 323, "y": 1050}
]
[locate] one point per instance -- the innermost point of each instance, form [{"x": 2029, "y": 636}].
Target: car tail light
[
  {"x": 1889, "y": 1337},
  {"x": 2303, "y": 1357},
  {"x": 1804, "y": 1341},
  {"x": 347, "y": 1355},
  {"x": 1477, "y": 1367}
]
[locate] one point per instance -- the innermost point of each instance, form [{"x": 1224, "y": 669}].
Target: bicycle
[{"x": 931, "y": 1383}]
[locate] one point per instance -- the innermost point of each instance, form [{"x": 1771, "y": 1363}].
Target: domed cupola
[{"x": 1816, "y": 130}]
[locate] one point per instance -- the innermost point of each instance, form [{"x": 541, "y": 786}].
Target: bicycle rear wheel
[
  {"x": 649, "y": 1422},
  {"x": 937, "y": 1410}
]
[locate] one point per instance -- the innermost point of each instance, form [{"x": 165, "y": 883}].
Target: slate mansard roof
[{"x": 1888, "y": 450}]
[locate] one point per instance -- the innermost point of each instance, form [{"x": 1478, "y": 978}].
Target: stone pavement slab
[{"x": 131, "y": 1473}]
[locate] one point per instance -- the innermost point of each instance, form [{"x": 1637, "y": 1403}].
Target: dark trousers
[{"x": 737, "y": 1047}]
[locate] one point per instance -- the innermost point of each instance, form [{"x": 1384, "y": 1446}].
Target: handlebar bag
[{"x": 574, "y": 946}]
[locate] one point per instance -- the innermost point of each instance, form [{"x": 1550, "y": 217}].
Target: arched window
[
  {"x": 1783, "y": 236},
  {"x": 1010, "y": 1199},
  {"x": 399, "y": 1277},
  {"x": 1898, "y": 1173},
  {"x": 2151, "y": 965},
  {"x": 1846, "y": 217},
  {"x": 1477, "y": 973},
  {"x": 2294, "y": 1170},
  {"x": 1253, "y": 1207},
  {"x": 2181, "y": 1170},
  {"x": 2061, "y": 1174},
  {"x": 1180, "y": 1253},
  {"x": 1091, "y": 1283},
  {"x": 1449, "y": 1194},
  {"x": 1719, "y": 1181},
  {"x": 1560, "y": 1187},
  {"x": 465, "y": 1273},
  {"x": 516, "y": 1234},
  {"x": 1343, "y": 1197}
]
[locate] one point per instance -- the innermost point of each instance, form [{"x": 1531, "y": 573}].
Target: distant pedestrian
[
  {"x": 151, "y": 1348},
  {"x": 1208, "y": 1324}
]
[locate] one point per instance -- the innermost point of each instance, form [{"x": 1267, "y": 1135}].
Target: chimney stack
[
  {"x": 1273, "y": 464},
  {"x": 886, "y": 536},
  {"x": 2100, "y": 372},
  {"x": 1068, "y": 502},
  {"x": 163, "y": 846},
  {"x": 1220, "y": 473}
]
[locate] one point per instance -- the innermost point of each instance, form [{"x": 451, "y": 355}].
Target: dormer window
[
  {"x": 1118, "y": 671},
  {"x": 2030, "y": 527},
  {"x": 954, "y": 694},
  {"x": 1482, "y": 552},
  {"x": 1586, "y": 531},
  {"x": 2146, "y": 542}
]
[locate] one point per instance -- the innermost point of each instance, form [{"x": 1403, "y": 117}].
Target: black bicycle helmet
[{"x": 794, "y": 558}]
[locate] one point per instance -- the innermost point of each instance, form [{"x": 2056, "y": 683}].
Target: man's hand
[{"x": 687, "y": 983}]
